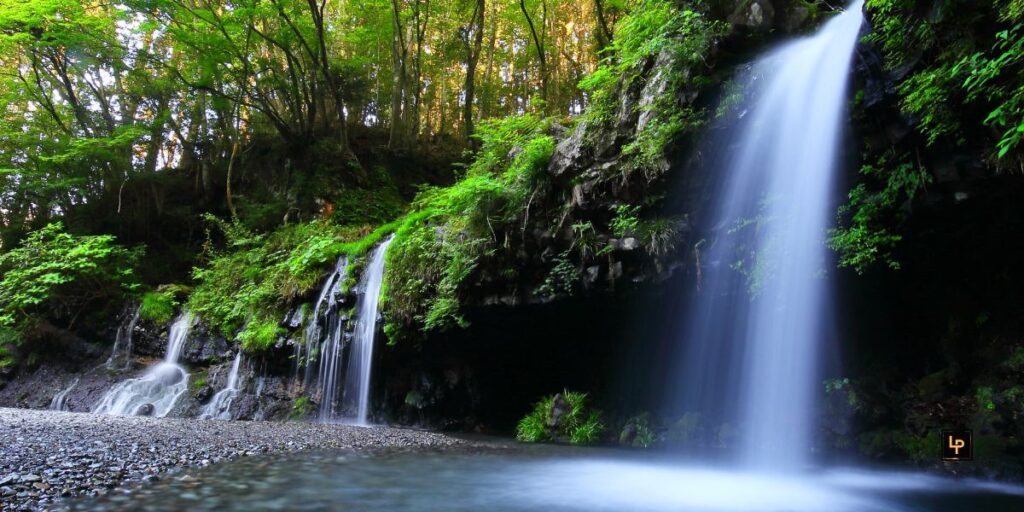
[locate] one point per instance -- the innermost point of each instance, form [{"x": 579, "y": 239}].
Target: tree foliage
[
  {"x": 54, "y": 276},
  {"x": 966, "y": 62}
]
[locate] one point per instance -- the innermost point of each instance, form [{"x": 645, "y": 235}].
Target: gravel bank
[{"x": 47, "y": 455}]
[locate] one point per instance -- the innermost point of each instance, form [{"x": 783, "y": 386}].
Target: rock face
[
  {"x": 763, "y": 16},
  {"x": 207, "y": 358},
  {"x": 461, "y": 382}
]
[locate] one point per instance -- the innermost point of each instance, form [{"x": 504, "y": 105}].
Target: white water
[
  {"x": 356, "y": 396},
  {"x": 60, "y": 400},
  {"x": 219, "y": 407},
  {"x": 123, "y": 341},
  {"x": 315, "y": 347},
  {"x": 162, "y": 384},
  {"x": 331, "y": 347},
  {"x": 755, "y": 333}
]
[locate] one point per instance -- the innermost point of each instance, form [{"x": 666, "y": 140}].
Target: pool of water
[{"x": 549, "y": 479}]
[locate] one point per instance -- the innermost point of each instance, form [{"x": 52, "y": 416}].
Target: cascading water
[
  {"x": 356, "y": 396},
  {"x": 156, "y": 392},
  {"x": 219, "y": 407},
  {"x": 315, "y": 347},
  {"x": 123, "y": 341},
  {"x": 754, "y": 335},
  {"x": 60, "y": 400},
  {"x": 333, "y": 343}
]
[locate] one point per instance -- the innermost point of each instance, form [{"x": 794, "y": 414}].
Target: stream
[{"x": 521, "y": 478}]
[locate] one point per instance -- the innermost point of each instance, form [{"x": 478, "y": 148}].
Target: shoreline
[{"x": 48, "y": 456}]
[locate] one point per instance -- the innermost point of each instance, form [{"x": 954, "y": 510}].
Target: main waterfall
[
  {"x": 356, "y": 397},
  {"x": 755, "y": 333}
]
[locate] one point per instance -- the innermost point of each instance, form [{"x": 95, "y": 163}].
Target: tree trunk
[
  {"x": 538, "y": 41},
  {"x": 472, "y": 57},
  {"x": 399, "y": 54}
]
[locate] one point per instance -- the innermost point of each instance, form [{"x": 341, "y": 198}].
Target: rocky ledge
[{"x": 46, "y": 455}]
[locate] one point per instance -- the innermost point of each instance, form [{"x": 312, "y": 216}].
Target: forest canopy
[
  {"x": 174, "y": 125},
  {"x": 101, "y": 97}
]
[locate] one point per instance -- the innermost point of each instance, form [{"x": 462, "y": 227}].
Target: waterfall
[
  {"x": 330, "y": 356},
  {"x": 60, "y": 400},
  {"x": 312, "y": 344},
  {"x": 156, "y": 392},
  {"x": 123, "y": 341},
  {"x": 259, "y": 415},
  {"x": 356, "y": 396},
  {"x": 755, "y": 333},
  {"x": 324, "y": 353},
  {"x": 219, "y": 407}
]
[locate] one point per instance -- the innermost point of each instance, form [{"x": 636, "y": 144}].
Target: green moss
[
  {"x": 301, "y": 407},
  {"x": 159, "y": 306},
  {"x": 450, "y": 230},
  {"x": 652, "y": 28},
  {"x": 246, "y": 289},
  {"x": 259, "y": 335},
  {"x": 197, "y": 381}
]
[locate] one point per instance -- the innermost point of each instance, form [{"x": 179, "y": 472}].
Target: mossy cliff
[{"x": 550, "y": 255}]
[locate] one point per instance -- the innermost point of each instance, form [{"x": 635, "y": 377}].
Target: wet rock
[
  {"x": 754, "y": 14},
  {"x": 145, "y": 410},
  {"x": 560, "y": 407},
  {"x": 204, "y": 394},
  {"x": 204, "y": 346}
]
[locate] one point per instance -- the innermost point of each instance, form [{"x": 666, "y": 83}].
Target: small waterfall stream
[
  {"x": 334, "y": 361},
  {"x": 219, "y": 407},
  {"x": 60, "y": 400},
  {"x": 326, "y": 303},
  {"x": 123, "y": 341},
  {"x": 156, "y": 392},
  {"x": 332, "y": 345},
  {"x": 756, "y": 332},
  {"x": 357, "y": 376}
]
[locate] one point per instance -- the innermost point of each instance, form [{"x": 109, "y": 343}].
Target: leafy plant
[
  {"x": 652, "y": 29},
  {"x": 450, "y": 230},
  {"x": 301, "y": 407},
  {"x": 533, "y": 427},
  {"x": 561, "y": 279},
  {"x": 638, "y": 432},
  {"x": 159, "y": 306},
  {"x": 53, "y": 277},
  {"x": 866, "y": 240},
  {"x": 561, "y": 417},
  {"x": 245, "y": 290}
]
